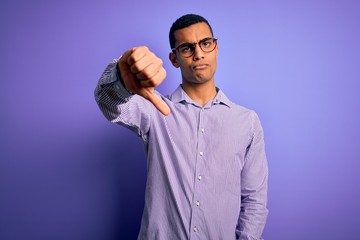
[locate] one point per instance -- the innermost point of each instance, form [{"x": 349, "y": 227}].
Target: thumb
[{"x": 158, "y": 103}]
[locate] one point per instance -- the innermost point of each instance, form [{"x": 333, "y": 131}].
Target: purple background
[{"x": 66, "y": 173}]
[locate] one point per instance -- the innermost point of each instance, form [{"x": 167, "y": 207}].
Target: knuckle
[
  {"x": 148, "y": 73},
  {"x": 164, "y": 73},
  {"x": 145, "y": 48},
  {"x": 142, "y": 50},
  {"x": 135, "y": 68}
]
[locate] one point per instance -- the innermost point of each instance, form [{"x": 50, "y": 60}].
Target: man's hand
[{"x": 141, "y": 71}]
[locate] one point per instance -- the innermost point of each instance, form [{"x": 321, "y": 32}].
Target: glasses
[{"x": 187, "y": 50}]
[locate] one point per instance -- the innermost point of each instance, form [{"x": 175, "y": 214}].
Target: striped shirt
[{"x": 207, "y": 171}]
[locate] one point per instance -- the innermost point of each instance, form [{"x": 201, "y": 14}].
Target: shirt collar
[{"x": 179, "y": 95}]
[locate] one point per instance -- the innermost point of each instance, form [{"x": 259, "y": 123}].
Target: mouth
[{"x": 199, "y": 66}]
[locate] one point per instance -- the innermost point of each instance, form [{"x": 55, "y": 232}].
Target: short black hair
[{"x": 183, "y": 22}]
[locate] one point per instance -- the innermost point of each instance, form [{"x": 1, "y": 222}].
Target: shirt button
[
  {"x": 202, "y": 130},
  {"x": 201, "y": 153},
  {"x": 195, "y": 229},
  {"x": 197, "y": 203},
  {"x": 199, "y": 177}
]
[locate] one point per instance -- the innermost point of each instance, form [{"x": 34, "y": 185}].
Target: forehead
[{"x": 192, "y": 33}]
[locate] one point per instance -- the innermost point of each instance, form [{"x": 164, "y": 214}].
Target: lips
[{"x": 200, "y": 66}]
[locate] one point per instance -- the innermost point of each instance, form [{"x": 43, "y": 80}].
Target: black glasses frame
[{"x": 192, "y": 46}]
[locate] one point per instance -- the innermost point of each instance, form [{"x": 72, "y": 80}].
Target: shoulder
[
  {"x": 240, "y": 109},
  {"x": 244, "y": 115}
]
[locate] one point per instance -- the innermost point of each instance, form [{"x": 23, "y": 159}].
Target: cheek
[
  {"x": 185, "y": 70},
  {"x": 214, "y": 64},
  {"x": 185, "y": 67}
]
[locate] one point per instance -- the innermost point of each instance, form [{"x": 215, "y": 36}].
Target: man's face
[{"x": 201, "y": 66}]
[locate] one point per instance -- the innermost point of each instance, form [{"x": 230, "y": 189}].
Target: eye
[
  {"x": 206, "y": 43},
  {"x": 186, "y": 48}
]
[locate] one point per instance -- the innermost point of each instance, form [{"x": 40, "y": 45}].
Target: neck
[{"x": 200, "y": 93}]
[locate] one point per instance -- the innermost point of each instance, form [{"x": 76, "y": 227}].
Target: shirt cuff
[{"x": 119, "y": 84}]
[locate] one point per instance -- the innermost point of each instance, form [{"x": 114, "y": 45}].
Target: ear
[{"x": 173, "y": 60}]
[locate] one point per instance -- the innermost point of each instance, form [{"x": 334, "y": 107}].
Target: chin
[
  {"x": 200, "y": 80},
  {"x": 197, "y": 79}
]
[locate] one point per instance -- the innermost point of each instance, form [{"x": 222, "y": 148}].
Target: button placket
[{"x": 198, "y": 175}]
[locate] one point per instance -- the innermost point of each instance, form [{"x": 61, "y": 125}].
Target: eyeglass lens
[{"x": 188, "y": 49}]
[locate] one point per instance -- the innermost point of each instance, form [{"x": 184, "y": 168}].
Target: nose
[{"x": 198, "y": 52}]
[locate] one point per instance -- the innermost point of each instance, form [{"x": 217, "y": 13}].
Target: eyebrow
[{"x": 192, "y": 43}]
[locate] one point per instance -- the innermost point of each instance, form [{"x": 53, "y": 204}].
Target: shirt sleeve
[
  {"x": 119, "y": 105},
  {"x": 254, "y": 186}
]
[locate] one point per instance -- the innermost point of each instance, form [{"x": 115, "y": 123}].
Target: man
[{"x": 207, "y": 169}]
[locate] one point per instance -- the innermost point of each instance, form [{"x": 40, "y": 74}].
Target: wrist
[{"x": 121, "y": 80}]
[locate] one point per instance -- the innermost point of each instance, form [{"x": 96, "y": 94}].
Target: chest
[{"x": 216, "y": 133}]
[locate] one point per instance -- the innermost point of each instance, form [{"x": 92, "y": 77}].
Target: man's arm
[
  {"x": 125, "y": 85},
  {"x": 119, "y": 105},
  {"x": 254, "y": 184}
]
